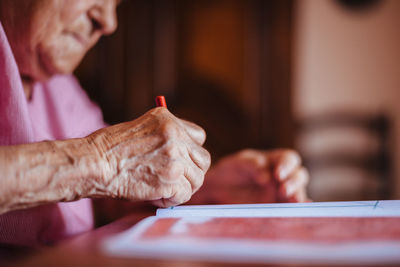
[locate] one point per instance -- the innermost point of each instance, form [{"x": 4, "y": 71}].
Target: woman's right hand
[{"x": 156, "y": 157}]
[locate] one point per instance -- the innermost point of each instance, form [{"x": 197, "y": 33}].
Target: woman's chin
[
  {"x": 49, "y": 70},
  {"x": 51, "y": 64}
]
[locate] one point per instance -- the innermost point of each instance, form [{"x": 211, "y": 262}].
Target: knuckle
[
  {"x": 169, "y": 129},
  {"x": 201, "y": 157},
  {"x": 195, "y": 176},
  {"x": 202, "y": 135},
  {"x": 155, "y": 114},
  {"x": 197, "y": 133},
  {"x": 195, "y": 127},
  {"x": 159, "y": 111},
  {"x": 171, "y": 150}
]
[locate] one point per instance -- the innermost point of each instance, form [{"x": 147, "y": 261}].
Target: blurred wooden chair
[{"x": 348, "y": 155}]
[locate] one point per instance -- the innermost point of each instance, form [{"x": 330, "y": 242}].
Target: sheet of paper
[
  {"x": 373, "y": 237},
  {"x": 384, "y": 208}
]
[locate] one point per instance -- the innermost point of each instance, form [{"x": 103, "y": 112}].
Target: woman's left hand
[{"x": 252, "y": 176}]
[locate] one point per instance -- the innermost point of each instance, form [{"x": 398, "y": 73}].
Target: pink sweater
[{"x": 59, "y": 109}]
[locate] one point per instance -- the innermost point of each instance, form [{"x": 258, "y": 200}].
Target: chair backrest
[{"x": 348, "y": 155}]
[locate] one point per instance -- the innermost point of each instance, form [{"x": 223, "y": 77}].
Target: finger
[
  {"x": 284, "y": 163},
  {"x": 200, "y": 156},
  {"x": 252, "y": 163},
  {"x": 195, "y": 132},
  {"x": 256, "y": 157},
  {"x": 195, "y": 176},
  {"x": 301, "y": 196},
  {"x": 181, "y": 193},
  {"x": 296, "y": 182}
]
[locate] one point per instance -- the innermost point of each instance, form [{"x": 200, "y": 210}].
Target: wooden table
[{"x": 84, "y": 251}]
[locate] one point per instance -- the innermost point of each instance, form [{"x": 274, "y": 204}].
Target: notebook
[{"x": 364, "y": 232}]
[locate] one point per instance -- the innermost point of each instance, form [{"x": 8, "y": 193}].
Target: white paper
[
  {"x": 374, "y": 251},
  {"x": 378, "y": 208}
]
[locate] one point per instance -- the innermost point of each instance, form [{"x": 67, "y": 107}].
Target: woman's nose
[{"x": 104, "y": 16}]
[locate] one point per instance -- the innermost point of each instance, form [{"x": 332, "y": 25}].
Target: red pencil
[{"x": 160, "y": 101}]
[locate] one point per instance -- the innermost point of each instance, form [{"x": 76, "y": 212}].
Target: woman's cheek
[{"x": 61, "y": 55}]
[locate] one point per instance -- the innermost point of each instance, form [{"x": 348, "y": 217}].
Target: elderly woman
[{"x": 56, "y": 152}]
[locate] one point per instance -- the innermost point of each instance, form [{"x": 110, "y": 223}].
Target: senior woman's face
[{"x": 52, "y": 36}]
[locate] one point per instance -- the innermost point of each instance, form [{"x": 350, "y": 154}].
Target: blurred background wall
[
  {"x": 318, "y": 75},
  {"x": 347, "y": 62}
]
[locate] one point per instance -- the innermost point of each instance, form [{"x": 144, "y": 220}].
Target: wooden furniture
[{"x": 355, "y": 145}]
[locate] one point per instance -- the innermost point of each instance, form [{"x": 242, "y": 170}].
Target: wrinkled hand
[
  {"x": 252, "y": 176},
  {"x": 157, "y": 157}
]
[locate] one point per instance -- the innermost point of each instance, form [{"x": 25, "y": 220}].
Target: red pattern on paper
[{"x": 321, "y": 229}]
